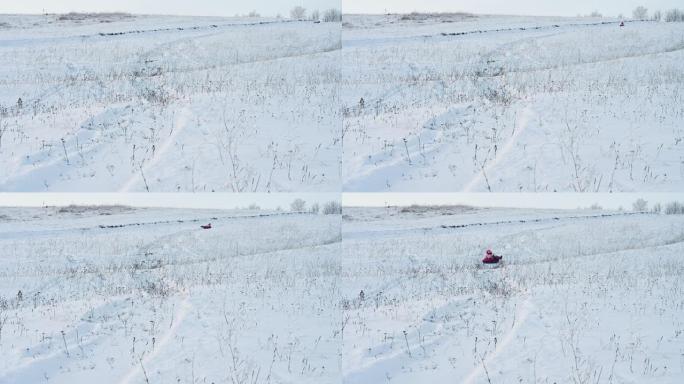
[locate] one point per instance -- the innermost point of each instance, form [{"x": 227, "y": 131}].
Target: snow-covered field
[
  {"x": 582, "y": 297},
  {"x": 507, "y": 104},
  {"x": 121, "y": 295},
  {"x": 163, "y": 103}
]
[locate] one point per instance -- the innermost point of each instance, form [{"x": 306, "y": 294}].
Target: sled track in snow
[
  {"x": 508, "y": 337},
  {"x": 137, "y": 371},
  {"x": 179, "y": 125}
]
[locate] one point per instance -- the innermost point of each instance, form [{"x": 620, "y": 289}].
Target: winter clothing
[{"x": 491, "y": 258}]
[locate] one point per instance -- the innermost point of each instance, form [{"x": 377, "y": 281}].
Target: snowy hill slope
[
  {"x": 160, "y": 299},
  {"x": 168, "y": 104},
  {"x": 507, "y": 104},
  {"x": 582, "y": 296}
]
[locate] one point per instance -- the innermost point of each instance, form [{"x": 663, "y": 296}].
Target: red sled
[
  {"x": 208, "y": 226},
  {"x": 492, "y": 259}
]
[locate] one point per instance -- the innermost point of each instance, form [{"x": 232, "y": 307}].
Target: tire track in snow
[
  {"x": 522, "y": 123},
  {"x": 41, "y": 361},
  {"x": 45, "y": 167},
  {"x": 520, "y": 316},
  {"x": 179, "y": 125},
  {"x": 386, "y": 358},
  {"x": 178, "y": 316},
  {"x": 397, "y": 167}
]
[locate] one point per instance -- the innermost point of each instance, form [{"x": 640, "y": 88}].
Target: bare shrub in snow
[
  {"x": 298, "y": 205},
  {"x": 158, "y": 287},
  {"x": 657, "y": 208},
  {"x": 315, "y": 15},
  {"x": 674, "y": 15},
  {"x": 499, "y": 96},
  {"x": 315, "y": 208},
  {"x": 3, "y": 314},
  {"x": 332, "y": 15},
  {"x": 3, "y": 129},
  {"x": 332, "y": 208},
  {"x": 657, "y": 16},
  {"x": 674, "y": 208},
  {"x": 156, "y": 96},
  {"x": 640, "y": 13},
  {"x": 298, "y": 13},
  {"x": 640, "y": 205}
]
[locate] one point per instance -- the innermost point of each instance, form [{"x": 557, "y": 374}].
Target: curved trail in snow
[
  {"x": 520, "y": 316},
  {"x": 522, "y": 123},
  {"x": 179, "y": 315},
  {"x": 179, "y": 125}
]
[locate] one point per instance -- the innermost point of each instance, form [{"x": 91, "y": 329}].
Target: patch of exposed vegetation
[
  {"x": 444, "y": 17},
  {"x": 102, "y": 17},
  {"x": 103, "y": 210},
  {"x": 441, "y": 209}
]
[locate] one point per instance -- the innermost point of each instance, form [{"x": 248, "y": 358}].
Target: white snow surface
[
  {"x": 168, "y": 104},
  {"x": 508, "y": 104},
  {"x": 127, "y": 295},
  {"x": 122, "y": 295},
  {"x": 582, "y": 296}
]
